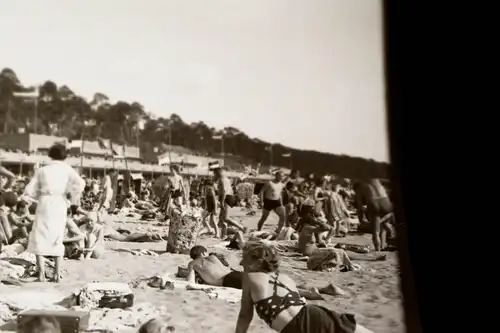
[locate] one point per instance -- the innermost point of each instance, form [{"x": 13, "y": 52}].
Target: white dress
[{"x": 51, "y": 185}]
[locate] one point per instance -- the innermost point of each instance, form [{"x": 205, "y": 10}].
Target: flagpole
[
  {"x": 169, "y": 143},
  {"x": 82, "y": 145},
  {"x": 271, "y": 156},
  {"x": 222, "y": 150},
  {"x": 35, "y": 122},
  {"x": 7, "y": 118}
]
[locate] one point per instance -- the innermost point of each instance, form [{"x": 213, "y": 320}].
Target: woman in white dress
[{"x": 52, "y": 186}]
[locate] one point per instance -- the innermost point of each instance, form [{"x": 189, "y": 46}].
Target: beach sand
[{"x": 373, "y": 293}]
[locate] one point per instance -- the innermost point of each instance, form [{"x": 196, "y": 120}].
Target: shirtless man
[
  {"x": 271, "y": 195},
  {"x": 226, "y": 199},
  {"x": 379, "y": 210},
  {"x": 178, "y": 187},
  {"x": 211, "y": 270}
]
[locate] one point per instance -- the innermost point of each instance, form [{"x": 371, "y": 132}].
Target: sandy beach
[{"x": 373, "y": 293}]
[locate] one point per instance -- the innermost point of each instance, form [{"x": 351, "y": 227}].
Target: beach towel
[{"x": 327, "y": 259}]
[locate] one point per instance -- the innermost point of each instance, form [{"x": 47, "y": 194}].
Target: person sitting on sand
[
  {"x": 271, "y": 196},
  {"x": 93, "y": 243},
  {"x": 20, "y": 221},
  {"x": 310, "y": 229},
  {"x": 211, "y": 270},
  {"x": 72, "y": 240},
  {"x": 277, "y": 300},
  {"x": 379, "y": 210}
]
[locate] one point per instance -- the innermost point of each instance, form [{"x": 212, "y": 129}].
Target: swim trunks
[
  {"x": 271, "y": 204},
  {"x": 233, "y": 280}
]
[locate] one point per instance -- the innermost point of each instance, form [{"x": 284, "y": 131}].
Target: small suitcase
[
  {"x": 117, "y": 302},
  {"x": 70, "y": 321}
]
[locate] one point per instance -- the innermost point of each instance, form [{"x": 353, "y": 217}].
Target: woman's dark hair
[
  {"x": 58, "y": 152},
  {"x": 265, "y": 254},
  {"x": 10, "y": 199}
]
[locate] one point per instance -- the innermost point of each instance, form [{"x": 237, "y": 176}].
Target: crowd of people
[{"x": 57, "y": 214}]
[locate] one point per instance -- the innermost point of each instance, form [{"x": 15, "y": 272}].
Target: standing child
[{"x": 210, "y": 209}]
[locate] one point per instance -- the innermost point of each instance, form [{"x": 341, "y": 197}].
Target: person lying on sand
[
  {"x": 212, "y": 271},
  {"x": 122, "y": 235},
  {"x": 277, "y": 300}
]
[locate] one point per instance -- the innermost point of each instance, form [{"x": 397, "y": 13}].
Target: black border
[{"x": 403, "y": 106}]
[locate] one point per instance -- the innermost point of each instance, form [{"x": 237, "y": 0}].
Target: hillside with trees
[{"x": 62, "y": 112}]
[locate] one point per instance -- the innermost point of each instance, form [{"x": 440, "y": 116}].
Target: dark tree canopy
[{"x": 62, "y": 112}]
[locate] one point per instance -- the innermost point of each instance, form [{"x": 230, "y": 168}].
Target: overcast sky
[{"x": 305, "y": 73}]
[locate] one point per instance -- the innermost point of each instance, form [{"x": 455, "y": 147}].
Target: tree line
[{"x": 53, "y": 109}]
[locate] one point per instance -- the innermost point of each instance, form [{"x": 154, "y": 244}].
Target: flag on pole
[
  {"x": 269, "y": 148},
  {"x": 213, "y": 165},
  {"x": 217, "y": 137},
  {"x": 287, "y": 155}
]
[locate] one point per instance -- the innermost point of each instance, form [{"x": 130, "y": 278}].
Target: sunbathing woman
[{"x": 277, "y": 300}]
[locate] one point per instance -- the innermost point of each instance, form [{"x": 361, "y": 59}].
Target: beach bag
[
  {"x": 245, "y": 190},
  {"x": 185, "y": 224},
  {"x": 106, "y": 295}
]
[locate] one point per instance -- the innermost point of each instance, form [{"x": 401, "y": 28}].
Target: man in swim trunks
[
  {"x": 211, "y": 270},
  {"x": 271, "y": 196},
  {"x": 226, "y": 199},
  {"x": 379, "y": 210}
]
